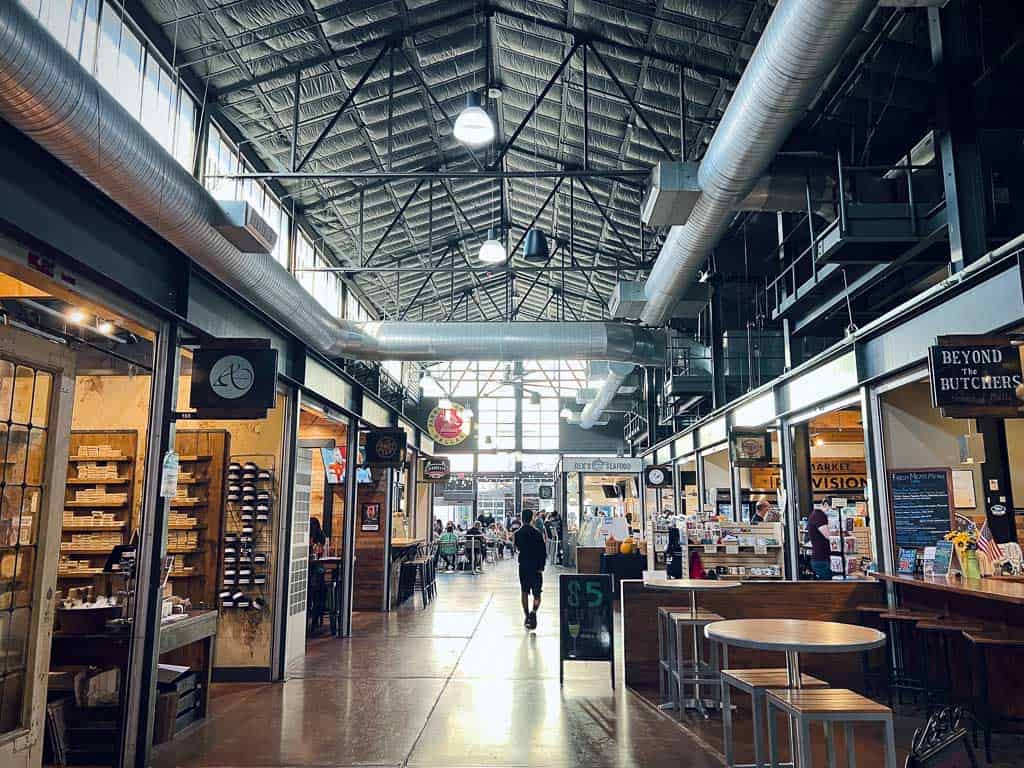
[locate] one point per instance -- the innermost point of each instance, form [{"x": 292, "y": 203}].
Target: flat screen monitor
[{"x": 610, "y": 491}]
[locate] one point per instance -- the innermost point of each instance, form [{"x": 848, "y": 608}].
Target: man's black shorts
[{"x": 531, "y": 581}]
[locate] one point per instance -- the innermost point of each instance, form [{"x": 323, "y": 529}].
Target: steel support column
[{"x": 953, "y": 34}]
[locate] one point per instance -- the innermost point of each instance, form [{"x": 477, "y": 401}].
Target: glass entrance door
[{"x": 36, "y": 390}]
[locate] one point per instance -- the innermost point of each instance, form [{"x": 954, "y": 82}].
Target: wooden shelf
[
  {"x": 184, "y": 551},
  {"x": 78, "y": 574},
  {"x": 196, "y": 503},
  {"x": 95, "y": 527},
  {"x": 85, "y": 551},
  {"x": 96, "y": 504},
  {"x": 81, "y": 481},
  {"x": 185, "y": 527},
  {"x": 99, "y": 460},
  {"x": 194, "y": 457},
  {"x": 195, "y": 481},
  {"x": 186, "y": 575}
]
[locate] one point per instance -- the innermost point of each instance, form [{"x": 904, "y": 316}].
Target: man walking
[{"x": 532, "y": 557}]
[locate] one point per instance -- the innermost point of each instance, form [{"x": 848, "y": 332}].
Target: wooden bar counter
[
  {"x": 821, "y": 600},
  {"x": 991, "y": 602}
]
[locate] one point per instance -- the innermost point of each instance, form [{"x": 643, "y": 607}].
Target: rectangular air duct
[
  {"x": 244, "y": 228},
  {"x": 628, "y": 300}
]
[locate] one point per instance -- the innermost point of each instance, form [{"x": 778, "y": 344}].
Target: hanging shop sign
[
  {"x": 334, "y": 461},
  {"x": 974, "y": 376},
  {"x": 437, "y": 470},
  {"x": 545, "y": 492},
  {"x": 605, "y": 464},
  {"x": 385, "y": 447},
  {"x": 449, "y": 426},
  {"x": 233, "y": 379},
  {"x": 750, "y": 448},
  {"x": 658, "y": 477}
]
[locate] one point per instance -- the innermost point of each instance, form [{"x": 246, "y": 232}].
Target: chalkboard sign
[
  {"x": 921, "y": 506},
  {"x": 586, "y": 621}
]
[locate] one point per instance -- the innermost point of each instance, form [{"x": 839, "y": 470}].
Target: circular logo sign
[
  {"x": 232, "y": 377},
  {"x": 448, "y": 426},
  {"x": 656, "y": 476},
  {"x": 387, "y": 447}
]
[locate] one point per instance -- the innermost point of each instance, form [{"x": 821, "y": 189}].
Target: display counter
[
  {"x": 822, "y": 600},
  {"x": 1000, "y": 590},
  {"x": 588, "y": 559}
]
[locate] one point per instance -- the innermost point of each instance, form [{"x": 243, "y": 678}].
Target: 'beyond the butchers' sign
[{"x": 975, "y": 379}]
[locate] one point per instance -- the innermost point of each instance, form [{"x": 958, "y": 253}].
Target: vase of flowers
[{"x": 966, "y": 544}]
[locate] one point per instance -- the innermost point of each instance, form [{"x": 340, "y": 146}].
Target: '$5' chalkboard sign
[{"x": 586, "y": 622}]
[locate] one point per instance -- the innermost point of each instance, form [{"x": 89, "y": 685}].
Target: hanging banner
[
  {"x": 437, "y": 470},
  {"x": 385, "y": 447},
  {"x": 233, "y": 379},
  {"x": 334, "y": 464},
  {"x": 449, "y": 426},
  {"x": 974, "y": 376},
  {"x": 750, "y": 448}
]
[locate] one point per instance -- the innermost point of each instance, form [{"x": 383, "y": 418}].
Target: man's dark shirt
[
  {"x": 532, "y": 551},
  {"x": 820, "y": 547}
]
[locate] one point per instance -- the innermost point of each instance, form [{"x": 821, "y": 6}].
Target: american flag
[{"x": 988, "y": 545}]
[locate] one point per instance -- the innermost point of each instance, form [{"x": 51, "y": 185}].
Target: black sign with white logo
[
  {"x": 975, "y": 379},
  {"x": 233, "y": 379},
  {"x": 385, "y": 448},
  {"x": 437, "y": 470},
  {"x": 545, "y": 492},
  {"x": 658, "y": 477}
]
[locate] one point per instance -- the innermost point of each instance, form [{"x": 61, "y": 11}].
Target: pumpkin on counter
[{"x": 626, "y": 547}]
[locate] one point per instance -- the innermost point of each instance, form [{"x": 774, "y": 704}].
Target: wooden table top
[
  {"x": 400, "y": 543},
  {"x": 653, "y": 581},
  {"x": 798, "y": 635},
  {"x": 1002, "y": 590}
]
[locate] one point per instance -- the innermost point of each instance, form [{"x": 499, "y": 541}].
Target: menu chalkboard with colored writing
[
  {"x": 586, "y": 621},
  {"x": 921, "y": 506}
]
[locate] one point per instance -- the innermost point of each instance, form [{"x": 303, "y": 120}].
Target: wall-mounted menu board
[{"x": 921, "y": 503}]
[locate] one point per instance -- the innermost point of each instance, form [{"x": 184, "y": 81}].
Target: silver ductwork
[
  {"x": 674, "y": 188},
  {"x": 617, "y": 373},
  {"x": 800, "y": 45},
  {"x": 48, "y": 96}
]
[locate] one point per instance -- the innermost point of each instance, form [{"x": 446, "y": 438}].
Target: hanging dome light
[
  {"x": 536, "y": 245},
  {"x": 492, "y": 251},
  {"x": 473, "y": 126}
]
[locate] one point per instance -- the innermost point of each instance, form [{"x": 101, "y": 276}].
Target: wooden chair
[
  {"x": 754, "y": 682},
  {"x": 828, "y": 706}
]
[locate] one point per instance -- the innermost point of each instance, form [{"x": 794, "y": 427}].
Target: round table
[
  {"x": 656, "y": 580},
  {"x": 793, "y": 637}
]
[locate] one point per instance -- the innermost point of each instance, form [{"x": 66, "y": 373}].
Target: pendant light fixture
[
  {"x": 473, "y": 126},
  {"x": 492, "y": 251},
  {"x": 536, "y": 245}
]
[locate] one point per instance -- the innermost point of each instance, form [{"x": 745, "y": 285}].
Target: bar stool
[
  {"x": 695, "y": 672},
  {"x": 901, "y": 623},
  {"x": 940, "y": 686},
  {"x": 876, "y": 676},
  {"x": 828, "y": 706},
  {"x": 979, "y": 643},
  {"x": 666, "y": 657},
  {"x": 754, "y": 682}
]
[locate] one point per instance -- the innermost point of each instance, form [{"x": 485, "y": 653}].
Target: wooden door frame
[{"x": 24, "y": 747}]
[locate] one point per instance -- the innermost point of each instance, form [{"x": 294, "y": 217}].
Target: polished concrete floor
[{"x": 463, "y": 684}]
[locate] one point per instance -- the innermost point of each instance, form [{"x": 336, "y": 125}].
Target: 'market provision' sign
[{"x": 975, "y": 376}]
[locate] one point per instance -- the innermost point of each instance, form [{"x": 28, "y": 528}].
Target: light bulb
[
  {"x": 492, "y": 251},
  {"x": 444, "y": 402},
  {"x": 473, "y": 126},
  {"x": 565, "y": 413},
  {"x": 76, "y": 315},
  {"x": 105, "y": 327}
]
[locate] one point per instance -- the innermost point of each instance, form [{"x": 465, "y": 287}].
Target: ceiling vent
[
  {"x": 244, "y": 228},
  {"x": 628, "y": 300}
]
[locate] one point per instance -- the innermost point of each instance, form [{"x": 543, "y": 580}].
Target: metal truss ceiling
[{"x": 249, "y": 52}]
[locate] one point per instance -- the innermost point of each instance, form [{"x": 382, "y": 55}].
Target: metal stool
[
  {"x": 876, "y": 677},
  {"x": 939, "y": 687},
  {"x": 695, "y": 672},
  {"x": 901, "y": 623},
  {"x": 666, "y": 658},
  {"x": 828, "y": 706},
  {"x": 754, "y": 682}
]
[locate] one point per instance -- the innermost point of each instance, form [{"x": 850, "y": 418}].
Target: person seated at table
[
  {"x": 317, "y": 587},
  {"x": 448, "y": 546},
  {"x": 475, "y": 543}
]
